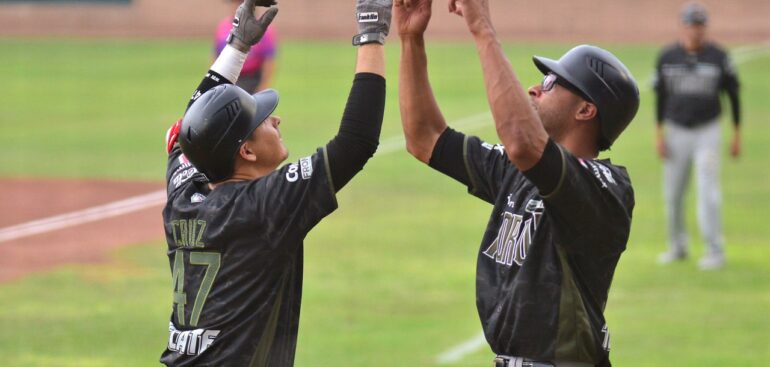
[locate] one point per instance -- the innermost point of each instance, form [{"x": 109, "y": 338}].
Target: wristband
[
  {"x": 229, "y": 63},
  {"x": 365, "y": 38}
]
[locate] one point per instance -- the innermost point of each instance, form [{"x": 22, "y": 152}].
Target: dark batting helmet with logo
[
  {"x": 604, "y": 80},
  {"x": 218, "y": 122}
]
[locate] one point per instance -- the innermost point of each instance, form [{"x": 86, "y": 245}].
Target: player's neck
[
  {"x": 580, "y": 145},
  {"x": 243, "y": 174},
  {"x": 579, "y": 137},
  {"x": 693, "y": 46}
]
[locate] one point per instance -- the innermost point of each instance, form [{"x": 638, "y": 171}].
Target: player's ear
[
  {"x": 586, "y": 111},
  {"x": 247, "y": 152}
]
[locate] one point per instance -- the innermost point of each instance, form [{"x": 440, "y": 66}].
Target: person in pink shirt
[{"x": 259, "y": 68}]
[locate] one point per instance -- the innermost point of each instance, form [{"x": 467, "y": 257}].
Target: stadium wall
[{"x": 739, "y": 21}]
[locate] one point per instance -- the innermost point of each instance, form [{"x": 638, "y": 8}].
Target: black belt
[{"x": 508, "y": 361}]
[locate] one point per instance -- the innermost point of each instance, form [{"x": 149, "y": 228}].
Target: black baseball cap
[{"x": 694, "y": 14}]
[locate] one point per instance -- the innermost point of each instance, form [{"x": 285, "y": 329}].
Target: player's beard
[{"x": 553, "y": 120}]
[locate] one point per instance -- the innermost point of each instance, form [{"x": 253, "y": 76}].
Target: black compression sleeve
[
  {"x": 359, "y": 133},
  {"x": 548, "y": 171},
  {"x": 210, "y": 80},
  {"x": 447, "y": 152},
  {"x": 660, "y": 94},
  {"x": 735, "y": 103}
]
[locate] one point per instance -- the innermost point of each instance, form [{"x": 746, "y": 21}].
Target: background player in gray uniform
[
  {"x": 690, "y": 76},
  {"x": 561, "y": 218},
  {"x": 235, "y": 222}
]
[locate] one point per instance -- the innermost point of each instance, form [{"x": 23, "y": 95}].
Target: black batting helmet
[
  {"x": 218, "y": 122},
  {"x": 607, "y": 83}
]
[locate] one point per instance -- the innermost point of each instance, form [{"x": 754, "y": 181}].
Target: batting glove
[
  {"x": 172, "y": 134},
  {"x": 373, "y": 18},
  {"x": 247, "y": 29}
]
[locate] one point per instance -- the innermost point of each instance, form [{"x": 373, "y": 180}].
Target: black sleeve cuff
[
  {"x": 210, "y": 80},
  {"x": 369, "y": 76},
  {"x": 549, "y": 171},
  {"x": 446, "y": 154}
]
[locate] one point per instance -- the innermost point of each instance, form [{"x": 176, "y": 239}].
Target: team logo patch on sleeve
[
  {"x": 497, "y": 147},
  {"x": 197, "y": 198},
  {"x": 306, "y": 167},
  {"x": 600, "y": 171},
  {"x": 182, "y": 176}
]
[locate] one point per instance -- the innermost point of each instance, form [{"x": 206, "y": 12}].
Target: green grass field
[{"x": 389, "y": 277}]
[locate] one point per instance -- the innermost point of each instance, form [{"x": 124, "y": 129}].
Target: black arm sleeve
[
  {"x": 359, "y": 133},
  {"x": 210, "y": 80},
  {"x": 660, "y": 94},
  {"x": 735, "y": 102},
  {"x": 548, "y": 173},
  {"x": 731, "y": 85},
  {"x": 447, "y": 152}
]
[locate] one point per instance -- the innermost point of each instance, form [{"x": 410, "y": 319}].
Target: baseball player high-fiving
[
  {"x": 234, "y": 221},
  {"x": 561, "y": 218}
]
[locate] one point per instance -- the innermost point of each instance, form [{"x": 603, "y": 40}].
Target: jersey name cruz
[
  {"x": 515, "y": 234},
  {"x": 188, "y": 232}
]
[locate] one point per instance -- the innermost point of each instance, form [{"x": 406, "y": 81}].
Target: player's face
[
  {"x": 269, "y": 146},
  {"x": 554, "y": 104},
  {"x": 694, "y": 35}
]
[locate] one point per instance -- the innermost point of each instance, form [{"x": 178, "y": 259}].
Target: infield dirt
[{"x": 25, "y": 200}]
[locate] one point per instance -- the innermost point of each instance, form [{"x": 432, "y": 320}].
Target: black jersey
[
  {"x": 547, "y": 258},
  {"x": 236, "y": 258},
  {"x": 688, "y": 85}
]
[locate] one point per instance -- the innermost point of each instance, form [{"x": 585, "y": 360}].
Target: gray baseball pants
[{"x": 701, "y": 145}]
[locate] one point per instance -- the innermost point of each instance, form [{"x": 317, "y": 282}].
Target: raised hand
[
  {"x": 475, "y": 12},
  {"x": 247, "y": 29},
  {"x": 412, "y": 16}
]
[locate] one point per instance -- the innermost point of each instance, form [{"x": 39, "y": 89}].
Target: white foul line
[
  {"x": 459, "y": 351},
  {"x": 468, "y": 123},
  {"x": 83, "y": 216}
]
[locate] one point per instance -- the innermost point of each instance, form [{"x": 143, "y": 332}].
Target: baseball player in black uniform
[
  {"x": 690, "y": 76},
  {"x": 561, "y": 218},
  {"x": 235, "y": 222}
]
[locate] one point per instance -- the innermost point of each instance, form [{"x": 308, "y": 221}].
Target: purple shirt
[{"x": 263, "y": 51}]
